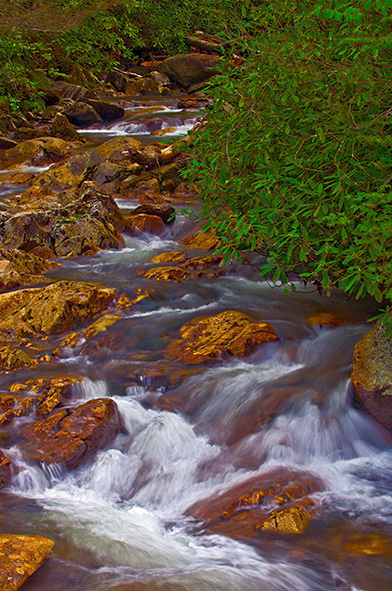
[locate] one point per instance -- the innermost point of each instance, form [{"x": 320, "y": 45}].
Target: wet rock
[
  {"x": 168, "y": 273},
  {"x": 62, "y": 128},
  {"x": 142, "y": 87},
  {"x": 6, "y": 143},
  {"x": 327, "y": 320},
  {"x": 190, "y": 68},
  {"x": 28, "y": 133},
  {"x": 276, "y": 502},
  {"x": 5, "y": 470},
  {"x": 71, "y": 173},
  {"x": 151, "y": 224},
  {"x": 64, "y": 90},
  {"x": 20, "y": 557},
  {"x": 107, "y": 111},
  {"x": 371, "y": 375},
  {"x": 82, "y": 114},
  {"x": 88, "y": 224},
  {"x": 109, "y": 176},
  {"x": 173, "y": 256},
  {"x": 117, "y": 149},
  {"x": 211, "y": 339},
  {"x": 49, "y": 310},
  {"x": 165, "y": 212},
  {"x": 34, "y": 152},
  {"x": 118, "y": 80},
  {"x": 12, "y": 358},
  {"x": 202, "y": 240},
  {"x": 159, "y": 78},
  {"x": 36, "y": 198},
  {"x": 71, "y": 436},
  {"x": 20, "y": 268}
]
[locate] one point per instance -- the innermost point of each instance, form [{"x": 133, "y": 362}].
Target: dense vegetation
[{"x": 295, "y": 161}]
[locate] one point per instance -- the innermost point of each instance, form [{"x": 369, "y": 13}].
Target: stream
[{"x": 121, "y": 521}]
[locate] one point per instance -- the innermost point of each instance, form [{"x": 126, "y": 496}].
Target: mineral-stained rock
[
  {"x": 5, "y": 470},
  {"x": 116, "y": 149},
  {"x": 371, "y": 375},
  {"x": 203, "y": 240},
  {"x": 14, "y": 358},
  {"x": 73, "y": 435},
  {"x": 190, "y": 68},
  {"x": 276, "y": 502},
  {"x": 20, "y": 268},
  {"x": 71, "y": 173},
  {"x": 53, "y": 309},
  {"x": 168, "y": 273},
  {"x": 209, "y": 339},
  {"x": 169, "y": 257},
  {"x": 91, "y": 222},
  {"x": 20, "y": 557}
]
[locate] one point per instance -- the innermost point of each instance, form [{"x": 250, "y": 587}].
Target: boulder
[
  {"x": 190, "y": 68},
  {"x": 49, "y": 310},
  {"x": 371, "y": 375},
  {"x": 276, "y": 502},
  {"x": 159, "y": 78},
  {"x": 82, "y": 114},
  {"x": 20, "y": 557},
  {"x": 12, "y": 358},
  {"x": 118, "y": 80},
  {"x": 28, "y": 133},
  {"x": 20, "y": 268},
  {"x": 173, "y": 256},
  {"x": 5, "y": 470},
  {"x": 168, "y": 273},
  {"x": 142, "y": 87},
  {"x": 34, "y": 152},
  {"x": 71, "y": 436},
  {"x": 62, "y": 128},
  {"x": 206, "y": 240},
  {"x": 64, "y": 90},
  {"x": 165, "y": 212},
  {"x": 107, "y": 111},
  {"x": 151, "y": 224},
  {"x": 109, "y": 176},
  {"x": 71, "y": 173},
  {"x": 327, "y": 319},
  {"x": 213, "y": 338},
  {"x": 86, "y": 225},
  {"x": 117, "y": 149}
]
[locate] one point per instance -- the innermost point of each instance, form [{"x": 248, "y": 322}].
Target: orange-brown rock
[
  {"x": 36, "y": 198},
  {"x": 21, "y": 268},
  {"x": 34, "y": 152},
  {"x": 57, "y": 308},
  {"x": 12, "y": 358},
  {"x": 63, "y": 128},
  {"x": 5, "y": 470},
  {"x": 327, "y": 320},
  {"x": 151, "y": 224},
  {"x": 173, "y": 256},
  {"x": 117, "y": 149},
  {"x": 20, "y": 557},
  {"x": 213, "y": 338},
  {"x": 371, "y": 375},
  {"x": 203, "y": 240},
  {"x": 73, "y": 435},
  {"x": 165, "y": 212},
  {"x": 277, "y": 502},
  {"x": 169, "y": 273}
]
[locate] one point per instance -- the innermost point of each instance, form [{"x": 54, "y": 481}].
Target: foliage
[{"x": 295, "y": 159}]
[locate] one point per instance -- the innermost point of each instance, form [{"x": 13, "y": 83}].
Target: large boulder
[
  {"x": 20, "y": 268},
  {"x": 210, "y": 339},
  {"x": 118, "y": 148},
  {"x": 82, "y": 114},
  {"x": 20, "y": 557},
  {"x": 71, "y": 436},
  {"x": 86, "y": 225},
  {"x": 189, "y": 68},
  {"x": 276, "y": 502},
  {"x": 35, "y": 152},
  {"x": 49, "y": 310},
  {"x": 165, "y": 212},
  {"x": 63, "y": 128},
  {"x": 107, "y": 111},
  {"x": 71, "y": 173},
  {"x": 371, "y": 375},
  {"x": 65, "y": 90}
]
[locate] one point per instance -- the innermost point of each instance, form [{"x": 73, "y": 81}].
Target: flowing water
[{"x": 120, "y": 522}]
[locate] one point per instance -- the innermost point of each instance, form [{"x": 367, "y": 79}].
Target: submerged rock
[
  {"x": 371, "y": 375},
  {"x": 327, "y": 319},
  {"x": 73, "y": 435},
  {"x": 214, "y": 338},
  {"x": 49, "y": 310},
  {"x": 277, "y": 502}
]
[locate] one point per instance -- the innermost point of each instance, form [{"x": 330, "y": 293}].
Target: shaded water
[{"x": 120, "y": 522}]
